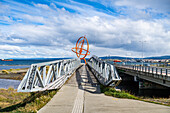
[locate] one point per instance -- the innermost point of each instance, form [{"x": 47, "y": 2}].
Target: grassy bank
[
  {"x": 15, "y": 74},
  {"x": 13, "y": 101},
  {"x": 109, "y": 91}
]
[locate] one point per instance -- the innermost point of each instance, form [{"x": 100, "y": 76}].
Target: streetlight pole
[{"x": 142, "y": 50}]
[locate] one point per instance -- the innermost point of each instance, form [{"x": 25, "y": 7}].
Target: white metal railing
[
  {"x": 48, "y": 75},
  {"x": 106, "y": 73},
  {"x": 149, "y": 69}
]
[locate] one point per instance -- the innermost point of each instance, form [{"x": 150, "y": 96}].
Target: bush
[
  {"x": 18, "y": 69},
  {"x": 5, "y": 72},
  {"x": 11, "y": 70},
  {"x": 10, "y": 88}
]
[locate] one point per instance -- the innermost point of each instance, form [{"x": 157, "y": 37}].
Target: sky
[{"x": 50, "y": 28}]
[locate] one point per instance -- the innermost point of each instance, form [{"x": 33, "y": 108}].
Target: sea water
[
  {"x": 24, "y": 63},
  {"x": 13, "y": 67},
  {"x": 6, "y": 83},
  {"x": 18, "y": 64}
]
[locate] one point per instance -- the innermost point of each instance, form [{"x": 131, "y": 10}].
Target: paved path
[{"x": 82, "y": 95}]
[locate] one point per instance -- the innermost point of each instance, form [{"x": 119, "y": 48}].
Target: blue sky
[{"x": 50, "y": 28}]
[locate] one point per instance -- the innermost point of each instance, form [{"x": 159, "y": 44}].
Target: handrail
[
  {"x": 149, "y": 69},
  {"x": 48, "y": 75},
  {"x": 105, "y": 73}
]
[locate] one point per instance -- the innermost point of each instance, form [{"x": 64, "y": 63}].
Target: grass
[
  {"x": 10, "y": 71},
  {"x": 19, "y": 102},
  {"x": 13, "y": 74},
  {"x": 10, "y": 96},
  {"x": 110, "y": 91},
  {"x": 14, "y": 102}
]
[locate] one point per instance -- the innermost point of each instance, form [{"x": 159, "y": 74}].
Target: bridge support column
[
  {"x": 143, "y": 84},
  {"x": 147, "y": 88},
  {"x": 136, "y": 78}
]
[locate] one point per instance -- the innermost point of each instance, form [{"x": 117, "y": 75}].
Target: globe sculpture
[{"x": 81, "y": 49}]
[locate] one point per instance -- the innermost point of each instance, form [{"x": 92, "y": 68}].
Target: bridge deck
[{"x": 82, "y": 95}]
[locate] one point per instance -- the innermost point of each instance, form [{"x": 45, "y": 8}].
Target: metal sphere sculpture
[{"x": 81, "y": 50}]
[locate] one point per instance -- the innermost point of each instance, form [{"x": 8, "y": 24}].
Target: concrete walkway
[{"x": 82, "y": 95}]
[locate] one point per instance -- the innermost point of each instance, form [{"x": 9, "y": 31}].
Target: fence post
[
  {"x": 166, "y": 72},
  {"x": 156, "y": 70}
]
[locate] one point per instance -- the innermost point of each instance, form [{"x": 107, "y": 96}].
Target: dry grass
[
  {"x": 13, "y": 101},
  {"x": 10, "y": 97},
  {"x": 164, "y": 101},
  {"x": 15, "y": 74}
]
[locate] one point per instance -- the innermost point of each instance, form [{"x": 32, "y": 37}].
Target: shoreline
[
  {"x": 14, "y": 74},
  {"x": 16, "y": 65}
]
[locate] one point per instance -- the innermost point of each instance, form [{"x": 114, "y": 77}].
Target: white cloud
[
  {"x": 139, "y": 9},
  {"x": 53, "y": 34},
  {"x": 159, "y": 5}
]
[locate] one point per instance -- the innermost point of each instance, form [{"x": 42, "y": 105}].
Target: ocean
[
  {"x": 6, "y": 83},
  {"x": 24, "y": 63},
  {"x": 17, "y": 64}
]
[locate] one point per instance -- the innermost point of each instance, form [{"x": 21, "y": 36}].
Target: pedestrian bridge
[
  {"x": 156, "y": 75},
  {"x": 52, "y": 75},
  {"x": 81, "y": 93}
]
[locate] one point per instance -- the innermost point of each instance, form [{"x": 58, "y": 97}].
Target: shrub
[
  {"x": 5, "y": 72},
  {"x": 10, "y": 70},
  {"x": 10, "y": 88},
  {"x": 18, "y": 69}
]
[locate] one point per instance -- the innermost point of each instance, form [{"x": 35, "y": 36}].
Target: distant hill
[
  {"x": 118, "y": 57},
  {"x": 115, "y": 57},
  {"x": 39, "y": 58},
  {"x": 104, "y": 57},
  {"x": 158, "y": 57}
]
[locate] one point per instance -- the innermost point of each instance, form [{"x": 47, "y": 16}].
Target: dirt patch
[{"x": 165, "y": 101}]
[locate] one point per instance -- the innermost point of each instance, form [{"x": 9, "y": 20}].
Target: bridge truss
[
  {"x": 105, "y": 73},
  {"x": 48, "y": 75}
]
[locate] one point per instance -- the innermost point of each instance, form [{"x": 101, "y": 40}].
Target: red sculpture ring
[{"x": 80, "y": 50}]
